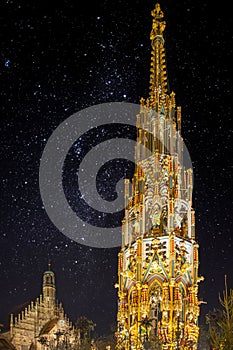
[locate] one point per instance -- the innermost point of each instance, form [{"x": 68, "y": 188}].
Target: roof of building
[
  {"x": 49, "y": 269},
  {"x": 5, "y": 344},
  {"x": 48, "y": 326}
]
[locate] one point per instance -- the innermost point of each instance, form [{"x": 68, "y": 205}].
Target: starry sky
[{"x": 57, "y": 60}]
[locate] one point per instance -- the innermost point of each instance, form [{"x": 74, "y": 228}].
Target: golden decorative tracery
[{"x": 158, "y": 262}]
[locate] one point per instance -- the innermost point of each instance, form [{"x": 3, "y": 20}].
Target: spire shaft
[{"x": 158, "y": 76}]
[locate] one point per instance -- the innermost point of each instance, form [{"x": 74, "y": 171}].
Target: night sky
[{"x": 57, "y": 60}]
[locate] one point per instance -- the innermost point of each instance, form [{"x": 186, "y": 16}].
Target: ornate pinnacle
[
  {"x": 158, "y": 77},
  {"x": 158, "y": 25}
]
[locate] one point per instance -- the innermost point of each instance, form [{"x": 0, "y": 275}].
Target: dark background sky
[{"x": 58, "y": 59}]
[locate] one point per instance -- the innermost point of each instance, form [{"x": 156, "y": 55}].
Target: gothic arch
[
  {"x": 157, "y": 277},
  {"x": 183, "y": 283}
]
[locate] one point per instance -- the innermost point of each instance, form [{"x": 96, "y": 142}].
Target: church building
[{"x": 43, "y": 323}]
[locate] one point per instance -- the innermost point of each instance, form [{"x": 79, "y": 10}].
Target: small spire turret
[{"x": 11, "y": 324}]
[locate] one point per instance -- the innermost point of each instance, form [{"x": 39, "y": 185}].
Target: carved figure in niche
[
  {"x": 132, "y": 266},
  {"x": 184, "y": 227},
  {"x": 156, "y": 216},
  {"x": 155, "y": 296},
  {"x": 163, "y": 220},
  {"x": 190, "y": 318},
  {"x": 165, "y": 317}
]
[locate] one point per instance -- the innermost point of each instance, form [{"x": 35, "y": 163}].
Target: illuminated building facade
[
  {"x": 43, "y": 324},
  {"x": 158, "y": 305}
]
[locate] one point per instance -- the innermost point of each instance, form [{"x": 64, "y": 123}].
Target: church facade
[
  {"x": 158, "y": 279},
  {"x": 43, "y": 324}
]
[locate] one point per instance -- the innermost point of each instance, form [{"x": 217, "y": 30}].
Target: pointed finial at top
[
  {"x": 49, "y": 265},
  {"x": 157, "y": 12},
  {"x": 158, "y": 25},
  {"x": 158, "y": 76}
]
